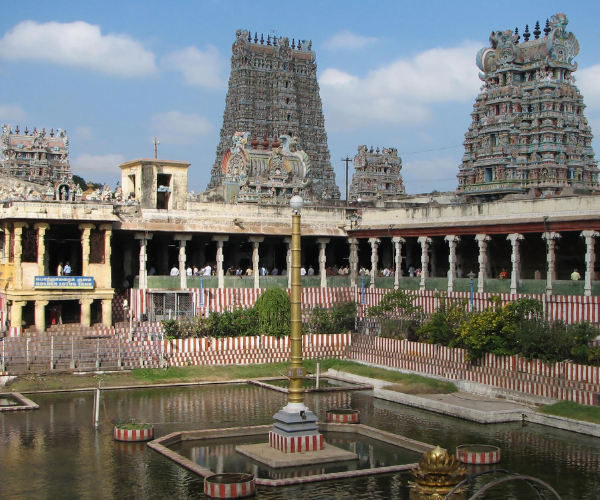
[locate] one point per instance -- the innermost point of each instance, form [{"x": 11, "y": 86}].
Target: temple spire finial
[
  {"x": 537, "y": 32},
  {"x": 526, "y": 33},
  {"x": 547, "y": 29}
]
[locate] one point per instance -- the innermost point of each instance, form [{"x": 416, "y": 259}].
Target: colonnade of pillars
[{"x": 424, "y": 242}]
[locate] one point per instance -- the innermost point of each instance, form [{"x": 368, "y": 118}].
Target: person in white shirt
[
  {"x": 411, "y": 271},
  {"x": 67, "y": 269},
  {"x": 459, "y": 271},
  {"x": 174, "y": 271},
  {"x": 385, "y": 272},
  {"x": 188, "y": 271},
  {"x": 311, "y": 271},
  {"x": 195, "y": 271},
  {"x": 263, "y": 271},
  {"x": 207, "y": 270},
  {"x": 302, "y": 271}
]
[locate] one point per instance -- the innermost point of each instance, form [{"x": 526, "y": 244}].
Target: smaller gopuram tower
[
  {"x": 377, "y": 174},
  {"x": 35, "y": 157},
  {"x": 529, "y": 134},
  {"x": 273, "y": 91}
]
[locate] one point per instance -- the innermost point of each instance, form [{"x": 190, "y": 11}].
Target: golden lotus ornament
[{"x": 438, "y": 473}]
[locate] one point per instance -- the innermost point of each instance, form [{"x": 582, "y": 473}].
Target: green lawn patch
[
  {"x": 403, "y": 382},
  {"x": 208, "y": 373},
  {"x": 575, "y": 411}
]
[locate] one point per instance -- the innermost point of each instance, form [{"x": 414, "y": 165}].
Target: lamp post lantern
[{"x": 471, "y": 275}]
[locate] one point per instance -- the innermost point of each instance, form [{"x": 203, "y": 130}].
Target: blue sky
[{"x": 394, "y": 74}]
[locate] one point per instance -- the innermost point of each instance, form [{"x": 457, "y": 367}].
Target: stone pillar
[
  {"x": 353, "y": 260},
  {"x": 590, "y": 259},
  {"x": 322, "y": 259},
  {"x": 550, "y": 238},
  {"x": 482, "y": 241},
  {"x": 7, "y": 236},
  {"x": 515, "y": 258},
  {"x": 432, "y": 260},
  {"x": 424, "y": 241},
  {"x": 397, "y": 241},
  {"x": 85, "y": 247},
  {"x": 41, "y": 257},
  {"x": 86, "y": 316},
  {"x": 288, "y": 260},
  {"x": 16, "y": 313},
  {"x": 18, "y": 271},
  {"x": 374, "y": 259},
  {"x": 256, "y": 241},
  {"x": 182, "y": 238},
  {"x": 107, "y": 312},
  {"x": 220, "y": 239},
  {"x": 143, "y": 272},
  {"x": 107, "y": 228},
  {"x": 40, "y": 315},
  {"x": 452, "y": 241}
]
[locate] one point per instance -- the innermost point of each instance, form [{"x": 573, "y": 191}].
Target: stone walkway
[{"x": 474, "y": 407}]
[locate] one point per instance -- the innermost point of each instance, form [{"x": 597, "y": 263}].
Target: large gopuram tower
[
  {"x": 273, "y": 91},
  {"x": 529, "y": 133}
]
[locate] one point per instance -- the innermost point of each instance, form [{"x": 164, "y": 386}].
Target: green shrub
[
  {"x": 398, "y": 316},
  {"x": 494, "y": 329},
  {"x": 273, "y": 309},
  {"x": 339, "y": 319},
  {"x": 442, "y": 325}
]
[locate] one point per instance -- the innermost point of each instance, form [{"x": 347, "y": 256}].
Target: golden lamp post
[
  {"x": 296, "y": 370},
  {"x": 295, "y": 428}
]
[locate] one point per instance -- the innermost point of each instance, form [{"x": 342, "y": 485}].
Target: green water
[{"x": 55, "y": 453}]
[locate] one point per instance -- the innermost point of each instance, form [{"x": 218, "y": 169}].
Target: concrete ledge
[
  {"x": 160, "y": 445},
  {"x": 263, "y": 453},
  {"x": 24, "y": 403},
  {"x": 484, "y": 417},
  {"x": 481, "y": 417}
]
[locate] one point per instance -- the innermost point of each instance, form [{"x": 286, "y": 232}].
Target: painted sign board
[{"x": 62, "y": 282}]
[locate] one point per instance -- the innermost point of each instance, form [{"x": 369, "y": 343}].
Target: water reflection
[{"x": 54, "y": 452}]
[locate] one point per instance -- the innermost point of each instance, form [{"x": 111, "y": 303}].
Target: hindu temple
[
  {"x": 273, "y": 92},
  {"x": 529, "y": 135}
]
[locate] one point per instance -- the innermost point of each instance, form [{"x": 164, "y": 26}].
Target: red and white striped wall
[
  {"x": 215, "y": 489},
  {"x": 295, "y": 444},
  {"x": 485, "y": 455},
  {"x": 134, "y": 434},
  {"x": 568, "y": 308},
  {"x": 343, "y": 416}
]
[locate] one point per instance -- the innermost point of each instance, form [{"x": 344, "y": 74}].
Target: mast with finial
[{"x": 156, "y": 143}]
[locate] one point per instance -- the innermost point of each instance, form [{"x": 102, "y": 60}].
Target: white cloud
[
  {"x": 83, "y": 134},
  {"x": 588, "y": 79},
  {"x": 421, "y": 176},
  {"x": 87, "y": 166},
  {"x": 78, "y": 44},
  {"x": 11, "y": 113},
  {"x": 179, "y": 128},
  {"x": 402, "y": 92},
  {"x": 347, "y": 40},
  {"x": 198, "y": 67}
]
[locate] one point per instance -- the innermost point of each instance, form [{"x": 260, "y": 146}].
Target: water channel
[{"x": 55, "y": 453}]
